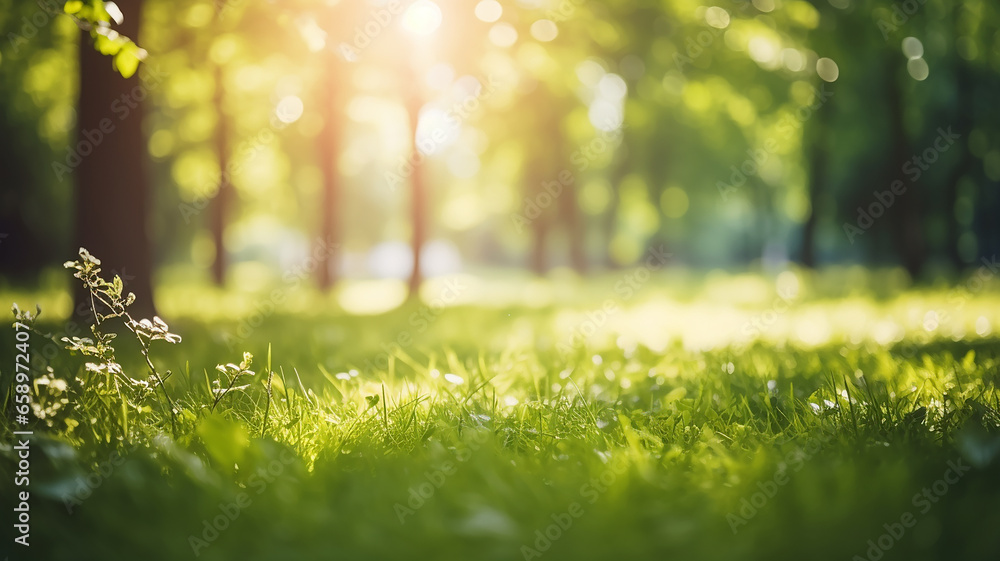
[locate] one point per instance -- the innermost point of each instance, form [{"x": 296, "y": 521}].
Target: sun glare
[{"x": 422, "y": 18}]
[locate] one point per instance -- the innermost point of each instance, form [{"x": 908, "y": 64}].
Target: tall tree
[
  {"x": 111, "y": 187},
  {"x": 329, "y": 151},
  {"x": 963, "y": 116},
  {"x": 418, "y": 189},
  {"x": 964, "y": 125},
  {"x": 223, "y": 198},
  {"x": 907, "y": 229},
  {"x": 819, "y": 164},
  {"x": 569, "y": 205},
  {"x": 549, "y": 182}
]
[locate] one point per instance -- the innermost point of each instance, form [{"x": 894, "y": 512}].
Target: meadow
[
  {"x": 500, "y": 280},
  {"x": 798, "y": 415}
]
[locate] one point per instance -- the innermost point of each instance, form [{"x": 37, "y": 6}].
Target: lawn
[
  {"x": 626, "y": 280},
  {"x": 743, "y": 417}
]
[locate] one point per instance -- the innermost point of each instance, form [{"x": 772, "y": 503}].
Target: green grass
[{"x": 645, "y": 440}]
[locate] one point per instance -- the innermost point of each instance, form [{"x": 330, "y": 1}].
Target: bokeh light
[
  {"x": 544, "y": 30},
  {"x": 912, "y": 47},
  {"x": 489, "y": 11},
  {"x": 422, "y": 17},
  {"x": 674, "y": 202},
  {"x": 717, "y": 17},
  {"x": 289, "y": 109},
  {"x": 827, "y": 70},
  {"x": 918, "y": 69},
  {"x": 503, "y": 35}
]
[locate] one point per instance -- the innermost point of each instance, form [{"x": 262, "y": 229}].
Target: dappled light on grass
[
  {"x": 724, "y": 310},
  {"x": 371, "y": 297},
  {"x": 574, "y": 409}
]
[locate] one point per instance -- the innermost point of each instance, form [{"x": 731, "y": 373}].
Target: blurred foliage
[{"x": 689, "y": 92}]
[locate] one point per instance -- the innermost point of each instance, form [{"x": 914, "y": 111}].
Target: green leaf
[
  {"x": 279, "y": 385},
  {"x": 124, "y": 404},
  {"x": 225, "y": 440},
  {"x": 73, "y": 6},
  {"x": 127, "y": 60},
  {"x": 970, "y": 360},
  {"x": 101, "y": 13},
  {"x": 675, "y": 394},
  {"x": 107, "y": 46}
]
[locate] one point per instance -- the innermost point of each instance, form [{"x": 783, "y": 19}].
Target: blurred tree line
[{"x": 533, "y": 133}]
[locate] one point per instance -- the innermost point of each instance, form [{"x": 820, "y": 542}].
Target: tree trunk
[
  {"x": 329, "y": 152},
  {"x": 819, "y": 159},
  {"x": 221, "y": 202},
  {"x": 763, "y": 219},
  {"x": 964, "y": 124},
  {"x": 539, "y": 236},
  {"x": 111, "y": 187},
  {"x": 569, "y": 206},
  {"x": 541, "y": 225},
  {"x": 610, "y": 217},
  {"x": 575, "y": 232},
  {"x": 418, "y": 197},
  {"x": 907, "y": 232}
]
